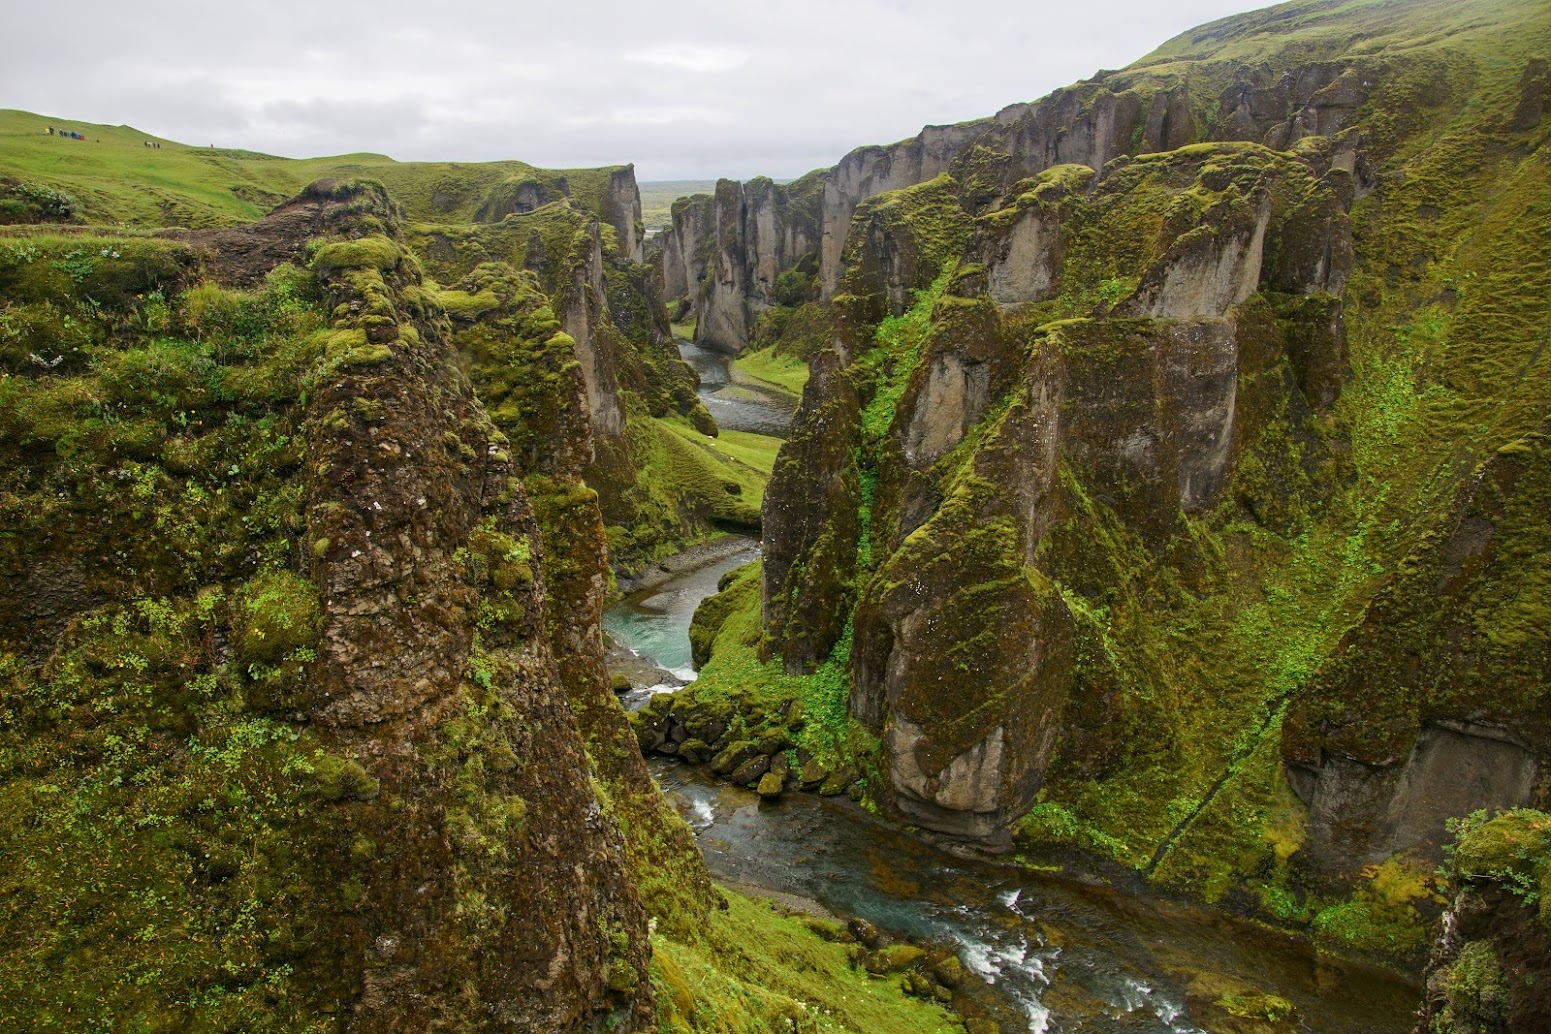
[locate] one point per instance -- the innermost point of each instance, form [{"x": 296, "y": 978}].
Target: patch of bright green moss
[
  {"x": 786, "y": 372},
  {"x": 753, "y": 970}
]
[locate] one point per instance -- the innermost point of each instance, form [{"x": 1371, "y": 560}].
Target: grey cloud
[{"x": 694, "y": 90}]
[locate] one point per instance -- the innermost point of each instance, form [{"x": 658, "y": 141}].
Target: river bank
[{"x": 1071, "y": 954}]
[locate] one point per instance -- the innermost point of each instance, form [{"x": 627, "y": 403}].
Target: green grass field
[
  {"x": 119, "y": 180},
  {"x": 733, "y": 457},
  {"x": 786, "y": 372}
]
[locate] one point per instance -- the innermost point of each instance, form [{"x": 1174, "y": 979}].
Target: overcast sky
[{"x": 687, "y": 90}]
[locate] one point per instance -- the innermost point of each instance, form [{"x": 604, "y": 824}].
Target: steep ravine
[
  {"x": 1166, "y": 500},
  {"x": 1064, "y": 955},
  {"x": 1162, "y": 489}
]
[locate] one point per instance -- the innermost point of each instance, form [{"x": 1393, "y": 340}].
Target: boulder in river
[
  {"x": 732, "y": 757},
  {"x": 751, "y": 771},
  {"x": 694, "y": 751}
]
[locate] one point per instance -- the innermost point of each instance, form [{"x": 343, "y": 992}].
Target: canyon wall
[
  {"x": 1162, "y": 491},
  {"x": 306, "y": 646}
]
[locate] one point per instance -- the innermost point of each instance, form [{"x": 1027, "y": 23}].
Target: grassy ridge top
[
  {"x": 1316, "y": 30},
  {"x": 118, "y": 179}
]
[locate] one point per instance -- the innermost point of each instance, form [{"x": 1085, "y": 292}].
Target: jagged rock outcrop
[
  {"x": 621, "y": 209},
  {"x": 609, "y": 193},
  {"x": 564, "y": 246},
  {"x": 582, "y": 303},
  {"x": 728, "y": 251},
  {"x": 355, "y": 651},
  {"x": 868, "y": 171},
  {"x": 810, "y": 522},
  {"x": 686, "y": 245},
  {"x": 616, "y": 325},
  {"x": 522, "y": 369},
  {"x": 519, "y": 197}
]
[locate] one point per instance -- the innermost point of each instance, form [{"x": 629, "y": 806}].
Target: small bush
[
  {"x": 274, "y": 616},
  {"x": 25, "y": 202}
]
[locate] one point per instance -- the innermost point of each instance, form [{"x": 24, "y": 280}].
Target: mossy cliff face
[
  {"x": 1193, "y": 485},
  {"x": 1435, "y": 703},
  {"x": 621, "y": 209},
  {"x": 565, "y": 247},
  {"x": 726, "y": 254},
  {"x": 282, "y": 692},
  {"x": 613, "y": 318},
  {"x": 965, "y": 646},
  {"x": 522, "y": 366},
  {"x": 811, "y": 509}
]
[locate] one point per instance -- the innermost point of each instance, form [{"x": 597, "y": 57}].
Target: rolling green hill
[{"x": 118, "y": 180}]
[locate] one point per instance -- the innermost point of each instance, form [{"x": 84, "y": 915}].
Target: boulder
[
  {"x": 812, "y": 774},
  {"x": 733, "y": 757},
  {"x": 837, "y": 783},
  {"x": 770, "y": 785},
  {"x": 751, "y": 771}
]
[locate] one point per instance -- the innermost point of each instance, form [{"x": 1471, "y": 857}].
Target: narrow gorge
[{"x": 1086, "y": 568}]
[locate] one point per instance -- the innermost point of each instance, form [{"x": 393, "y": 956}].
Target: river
[
  {"x": 1067, "y": 954},
  {"x": 738, "y": 403}
]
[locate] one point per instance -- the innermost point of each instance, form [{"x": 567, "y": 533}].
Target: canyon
[{"x": 1162, "y": 507}]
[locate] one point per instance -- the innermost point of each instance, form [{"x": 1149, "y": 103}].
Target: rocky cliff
[
  {"x": 301, "y": 649},
  {"x": 612, "y": 312},
  {"x": 1163, "y": 489},
  {"x": 739, "y": 251},
  {"x": 726, "y": 253}
]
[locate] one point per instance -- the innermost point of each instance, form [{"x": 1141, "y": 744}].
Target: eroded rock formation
[{"x": 366, "y": 641}]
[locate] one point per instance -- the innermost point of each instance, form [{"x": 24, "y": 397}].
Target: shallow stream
[{"x": 738, "y": 403}]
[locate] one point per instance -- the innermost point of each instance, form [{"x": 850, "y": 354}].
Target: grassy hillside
[
  {"x": 1313, "y": 31},
  {"x": 118, "y": 179}
]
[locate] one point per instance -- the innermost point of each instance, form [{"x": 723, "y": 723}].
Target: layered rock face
[
  {"x": 727, "y": 252},
  {"x": 723, "y": 253},
  {"x": 353, "y": 740},
  {"x": 1192, "y": 486},
  {"x": 965, "y": 647}
]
